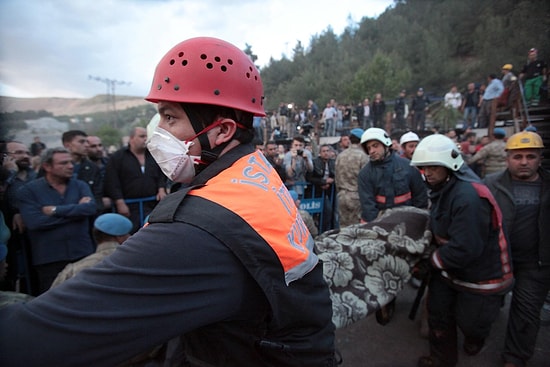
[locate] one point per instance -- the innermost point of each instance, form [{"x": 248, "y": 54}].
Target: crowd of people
[
  {"x": 475, "y": 104},
  {"x": 162, "y": 251}
]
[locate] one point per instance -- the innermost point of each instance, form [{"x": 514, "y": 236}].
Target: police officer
[
  {"x": 471, "y": 269},
  {"x": 210, "y": 265}
]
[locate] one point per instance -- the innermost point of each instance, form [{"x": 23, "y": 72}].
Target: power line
[{"x": 111, "y": 94}]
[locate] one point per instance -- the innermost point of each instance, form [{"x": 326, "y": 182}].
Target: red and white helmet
[{"x": 208, "y": 71}]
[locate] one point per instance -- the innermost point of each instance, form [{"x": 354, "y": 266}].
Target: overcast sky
[{"x": 50, "y": 48}]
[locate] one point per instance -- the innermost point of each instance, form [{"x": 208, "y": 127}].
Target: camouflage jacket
[{"x": 348, "y": 165}]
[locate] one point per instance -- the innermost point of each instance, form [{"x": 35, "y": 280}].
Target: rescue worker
[
  {"x": 210, "y": 265},
  {"x": 408, "y": 142},
  {"x": 385, "y": 182},
  {"x": 470, "y": 267},
  {"x": 523, "y": 193},
  {"x": 348, "y": 164}
]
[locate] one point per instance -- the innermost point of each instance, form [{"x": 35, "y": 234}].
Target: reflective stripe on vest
[
  {"x": 267, "y": 207},
  {"x": 400, "y": 199},
  {"x": 491, "y": 286},
  {"x": 484, "y": 192}
]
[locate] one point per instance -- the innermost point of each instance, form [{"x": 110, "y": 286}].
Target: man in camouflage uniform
[
  {"x": 493, "y": 155},
  {"x": 110, "y": 230},
  {"x": 348, "y": 165}
]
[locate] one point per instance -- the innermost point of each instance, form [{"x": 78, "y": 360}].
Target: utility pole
[{"x": 111, "y": 96}]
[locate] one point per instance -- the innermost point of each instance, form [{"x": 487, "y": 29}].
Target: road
[{"x": 399, "y": 344}]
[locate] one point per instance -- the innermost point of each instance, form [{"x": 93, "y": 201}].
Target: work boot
[
  {"x": 473, "y": 346},
  {"x": 429, "y": 361},
  {"x": 385, "y": 313}
]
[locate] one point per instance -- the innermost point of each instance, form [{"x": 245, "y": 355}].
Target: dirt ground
[{"x": 399, "y": 344}]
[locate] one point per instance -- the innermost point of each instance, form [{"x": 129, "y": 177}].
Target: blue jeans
[
  {"x": 329, "y": 127},
  {"x": 470, "y": 112}
]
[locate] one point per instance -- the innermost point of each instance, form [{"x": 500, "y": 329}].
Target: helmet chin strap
[{"x": 208, "y": 154}]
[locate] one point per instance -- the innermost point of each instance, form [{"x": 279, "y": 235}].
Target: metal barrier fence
[
  {"x": 320, "y": 204},
  {"x": 140, "y": 201}
]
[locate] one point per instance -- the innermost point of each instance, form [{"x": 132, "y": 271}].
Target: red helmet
[{"x": 209, "y": 71}]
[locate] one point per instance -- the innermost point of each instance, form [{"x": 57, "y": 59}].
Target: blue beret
[
  {"x": 293, "y": 194},
  {"x": 499, "y": 132},
  {"x": 357, "y": 132},
  {"x": 113, "y": 224},
  {"x": 3, "y": 251},
  {"x": 531, "y": 128}
]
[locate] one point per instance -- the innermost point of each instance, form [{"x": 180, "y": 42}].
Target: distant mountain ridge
[{"x": 68, "y": 106}]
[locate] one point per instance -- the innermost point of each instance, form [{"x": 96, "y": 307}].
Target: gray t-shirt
[{"x": 524, "y": 234}]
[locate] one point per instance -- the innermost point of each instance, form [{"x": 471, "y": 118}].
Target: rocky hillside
[{"x": 68, "y": 106}]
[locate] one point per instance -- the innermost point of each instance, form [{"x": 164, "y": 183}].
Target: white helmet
[
  {"x": 375, "y": 133},
  {"x": 437, "y": 150},
  {"x": 407, "y": 137}
]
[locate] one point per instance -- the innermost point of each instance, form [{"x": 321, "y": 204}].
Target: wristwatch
[{"x": 54, "y": 209}]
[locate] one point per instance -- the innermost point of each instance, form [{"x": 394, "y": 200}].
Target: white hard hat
[
  {"x": 375, "y": 133},
  {"x": 407, "y": 137},
  {"x": 437, "y": 150}
]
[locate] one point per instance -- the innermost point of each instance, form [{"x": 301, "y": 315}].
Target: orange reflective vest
[{"x": 250, "y": 186}]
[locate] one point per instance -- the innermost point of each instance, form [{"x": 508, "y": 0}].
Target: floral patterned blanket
[{"x": 366, "y": 265}]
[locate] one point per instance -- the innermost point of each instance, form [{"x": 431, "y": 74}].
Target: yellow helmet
[{"x": 524, "y": 140}]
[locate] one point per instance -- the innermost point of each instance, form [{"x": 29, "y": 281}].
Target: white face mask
[{"x": 171, "y": 154}]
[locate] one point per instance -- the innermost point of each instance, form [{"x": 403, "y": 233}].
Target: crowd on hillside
[{"x": 410, "y": 112}]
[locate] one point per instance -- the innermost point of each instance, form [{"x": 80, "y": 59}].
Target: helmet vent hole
[
  {"x": 176, "y": 87},
  {"x": 172, "y": 62},
  {"x": 209, "y": 65},
  {"x": 217, "y": 92},
  {"x": 180, "y": 54},
  {"x": 203, "y": 56},
  {"x": 230, "y": 62},
  {"x": 159, "y": 87},
  {"x": 217, "y": 59},
  {"x": 224, "y": 68},
  {"x": 253, "y": 100},
  {"x": 166, "y": 79},
  {"x": 184, "y": 63},
  {"x": 248, "y": 75},
  {"x": 255, "y": 77}
]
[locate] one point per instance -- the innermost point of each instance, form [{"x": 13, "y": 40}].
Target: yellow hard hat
[
  {"x": 507, "y": 67},
  {"x": 524, "y": 140}
]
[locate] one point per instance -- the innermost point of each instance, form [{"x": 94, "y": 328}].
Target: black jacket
[
  {"x": 316, "y": 177},
  {"x": 472, "y": 252},
  {"x": 500, "y": 185}
]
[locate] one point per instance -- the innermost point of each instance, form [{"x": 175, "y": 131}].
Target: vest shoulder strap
[{"x": 165, "y": 210}]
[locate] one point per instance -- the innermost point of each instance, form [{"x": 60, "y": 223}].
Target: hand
[
  {"x": 122, "y": 208},
  {"x": 9, "y": 163},
  {"x": 107, "y": 203},
  {"x": 17, "y": 223},
  {"x": 84, "y": 200},
  {"x": 48, "y": 210},
  {"x": 161, "y": 194}
]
